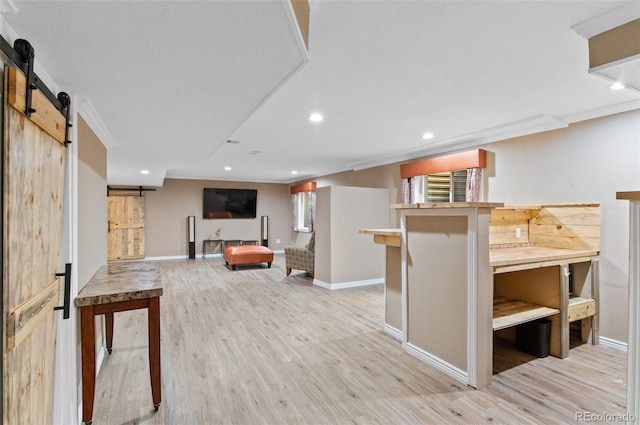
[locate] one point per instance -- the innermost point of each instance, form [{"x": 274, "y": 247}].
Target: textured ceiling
[{"x": 170, "y": 82}]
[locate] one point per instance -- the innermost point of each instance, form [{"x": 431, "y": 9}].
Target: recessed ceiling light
[
  {"x": 294, "y": 172},
  {"x": 144, "y": 171},
  {"x": 616, "y": 86},
  {"x": 315, "y": 117},
  {"x": 227, "y": 168},
  {"x": 428, "y": 136}
]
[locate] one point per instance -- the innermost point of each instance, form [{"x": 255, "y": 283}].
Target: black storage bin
[{"x": 534, "y": 337}]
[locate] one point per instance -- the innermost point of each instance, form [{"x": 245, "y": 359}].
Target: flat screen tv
[{"x": 229, "y": 203}]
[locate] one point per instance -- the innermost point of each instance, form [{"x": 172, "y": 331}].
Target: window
[
  {"x": 446, "y": 187},
  {"x": 455, "y": 177},
  {"x": 303, "y": 206}
]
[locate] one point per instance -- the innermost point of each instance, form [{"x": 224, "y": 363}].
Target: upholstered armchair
[{"x": 301, "y": 257}]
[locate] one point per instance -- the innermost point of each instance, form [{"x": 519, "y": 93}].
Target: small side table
[
  {"x": 216, "y": 246},
  {"x": 115, "y": 288}
]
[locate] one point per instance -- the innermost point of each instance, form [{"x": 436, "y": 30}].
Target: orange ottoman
[{"x": 247, "y": 254}]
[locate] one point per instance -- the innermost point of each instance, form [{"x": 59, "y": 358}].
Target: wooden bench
[{"x": 247, "y": 254}]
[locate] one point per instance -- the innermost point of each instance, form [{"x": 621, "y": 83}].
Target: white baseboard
[
  {"x": 184, "y": 257},
  {"x": 168, "y": 257},
  {"x": 612, "y": 343},
  {"x": 344, "y": 285},
  {"x": 393, "y": 332},
  {"x": 438, "y": 363}
]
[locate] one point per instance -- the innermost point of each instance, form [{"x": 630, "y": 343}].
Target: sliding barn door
[
  {"x": 33, "y": 170},
  {"x": 125, "y": 229}
]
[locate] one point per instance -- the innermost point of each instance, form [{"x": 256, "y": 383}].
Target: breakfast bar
[
  {"x": 114, "y": 288},
  {"x": 392, "y": 279},
  {"x": 458, "y": 272}
]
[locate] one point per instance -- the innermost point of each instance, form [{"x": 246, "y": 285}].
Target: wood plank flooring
[{"x": 255, "y": 347}]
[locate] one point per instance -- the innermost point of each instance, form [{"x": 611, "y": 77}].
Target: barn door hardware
[
  {"x": 138, "y": 189},
  {"x": 22, "y": 54},
  {"x": 26, "y": 52},
  {"x": 65, "y": 100},
  {"x": 65, "y": 307}
]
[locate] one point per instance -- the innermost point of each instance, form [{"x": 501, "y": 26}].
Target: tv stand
[
  {"x": 215, "y": 244},
  {"x": 219, "y": 245}
]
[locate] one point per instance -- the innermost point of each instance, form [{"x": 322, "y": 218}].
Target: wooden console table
[{"x": 115, "y": 288}]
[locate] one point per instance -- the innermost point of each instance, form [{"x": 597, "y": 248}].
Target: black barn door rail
[{"x": 22, "y": 55}]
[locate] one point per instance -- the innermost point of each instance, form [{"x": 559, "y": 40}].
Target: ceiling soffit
[{"x": 614, "y": 45}]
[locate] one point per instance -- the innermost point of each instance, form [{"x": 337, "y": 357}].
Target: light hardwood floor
[{"x": 255, "y": 347}]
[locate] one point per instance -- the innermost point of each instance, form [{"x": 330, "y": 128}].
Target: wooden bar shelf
[
  {"x": 505, "y": 260},
  {"x": 508, "y": 312}
]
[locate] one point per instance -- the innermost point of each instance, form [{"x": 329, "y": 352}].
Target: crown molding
[
  {"x": 93, "y": 120},
  {"x": 608, "y": 20},
  {"x": 603, "y": 112},
  {"x": 522, "y": 127}
]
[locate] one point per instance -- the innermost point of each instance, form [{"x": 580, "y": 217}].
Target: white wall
[
  {"x": 343, "y": 255},
  {"x": 587, "y": 162},
  {"x": 92, "y": 203},
  {"x": 167, "y": 208}
]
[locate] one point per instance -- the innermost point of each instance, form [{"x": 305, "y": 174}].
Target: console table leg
[
  {"x": 88, "y": 342},
  {"x": 108, "y": 324},
  {"x": 154, "y": 350}
]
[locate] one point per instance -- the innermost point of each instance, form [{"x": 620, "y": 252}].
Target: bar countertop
[
  {"x": 382, "y": 232},
  {"x": 631, "y": 196},
  {"x": 121, "y": 282},
  {"x": 447, "y": 205}
]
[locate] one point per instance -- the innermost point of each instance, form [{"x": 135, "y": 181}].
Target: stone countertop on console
[{"x": 121, "y": 282}]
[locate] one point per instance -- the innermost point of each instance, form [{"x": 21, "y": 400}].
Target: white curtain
[
  {"x": 294, "y": 212},
  {"x": 311, "y": 211},
  {"x": 303, "y": 211},
  {"x": 413, "y": 190},
  {"x": 474, "y": 184},
  {"x": 418, "y": 189},
  {"x": 406, "y": 190}
]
